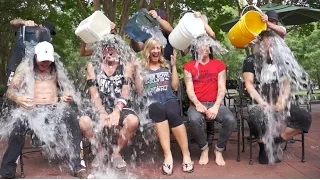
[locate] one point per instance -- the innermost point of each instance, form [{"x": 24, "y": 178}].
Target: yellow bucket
[{"x": 246, "y": 29}]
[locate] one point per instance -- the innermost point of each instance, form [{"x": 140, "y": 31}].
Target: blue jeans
[{"x": 197, "y": 125}]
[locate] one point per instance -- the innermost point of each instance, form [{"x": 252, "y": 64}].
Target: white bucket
[
  {"x": 94, "y": 27},
  {"x": 189, "y": 28}
]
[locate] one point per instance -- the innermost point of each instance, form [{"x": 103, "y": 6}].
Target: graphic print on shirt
[
  {"x": 205, "y": 76},
  {"x": 110, "y": 86},
  {"x": 157, "y": 82}
]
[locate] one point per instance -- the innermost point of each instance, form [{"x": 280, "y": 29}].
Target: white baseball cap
[{"x": 44, "y": 51}]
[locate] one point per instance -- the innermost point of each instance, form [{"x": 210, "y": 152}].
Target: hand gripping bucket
[
  {"x": 246, "y": 29},
  {"x": 189, "y": 28}
]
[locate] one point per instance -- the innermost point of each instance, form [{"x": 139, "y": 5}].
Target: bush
[{"x": 2, "y": 89}]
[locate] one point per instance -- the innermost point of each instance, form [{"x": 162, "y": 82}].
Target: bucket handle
[{"x": 259, "y": 10}]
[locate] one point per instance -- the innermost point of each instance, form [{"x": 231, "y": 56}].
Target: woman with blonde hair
[{"x": 160, "y": 84}]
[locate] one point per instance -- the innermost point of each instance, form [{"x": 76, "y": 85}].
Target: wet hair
[
  {"x": 149, "y": 44},
  {"x": 193, "y": 48},
  {"x": 267, "y": 33}
]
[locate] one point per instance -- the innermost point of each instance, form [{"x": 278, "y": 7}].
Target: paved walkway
[{"x": 36, "y": 166}]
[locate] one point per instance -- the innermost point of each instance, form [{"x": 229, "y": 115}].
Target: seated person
[
  {"x": 160, "y": 84},
  {"x": 272, "y": 97},
  {"x": 45, "y": 89},
  {"x": 110, "y": 81},
  {"x": 205, "y": 82}
]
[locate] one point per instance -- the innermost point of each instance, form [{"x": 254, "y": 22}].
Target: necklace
[{"x": 110, "y": 67}]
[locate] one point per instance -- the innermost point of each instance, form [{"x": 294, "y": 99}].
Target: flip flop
[
  {"x": 188, "y": 167},
  {"x": 119, "y": 163},
  {"x": 169, "y": 168}
]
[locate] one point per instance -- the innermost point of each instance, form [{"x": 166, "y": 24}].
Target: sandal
[
  {"x": 119, "y": 163},
  {"x": 188, "y": 167},
  {"x": 167, "y": 169}
]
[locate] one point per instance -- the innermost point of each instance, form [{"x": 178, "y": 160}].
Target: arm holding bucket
[
  {"x": 165, "y": 25},
  {"x": 17, "y": 23},
  {"x": 280, "y": 30},
  {"x": 85, "y": 51}
]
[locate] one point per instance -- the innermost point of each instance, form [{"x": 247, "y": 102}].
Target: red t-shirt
[{"x": 205, "y": 78}]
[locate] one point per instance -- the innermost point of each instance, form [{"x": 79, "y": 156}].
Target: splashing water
[
  {"x": 143, "y": 141},
  {"x": 275, "y": 65},
  {"x": 198, "y": 45},
  {"x": 156, "y": 33},
  {"x": 48, "y": 122}
]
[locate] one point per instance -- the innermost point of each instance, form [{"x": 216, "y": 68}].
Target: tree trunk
[
  {"x": 143, "y": 4},
  {"x": 83, "y": 10},
  {"x": 110, "y": 9},
  {"x": 125, "y": 10},
  {"x": 96, "y": 5}
]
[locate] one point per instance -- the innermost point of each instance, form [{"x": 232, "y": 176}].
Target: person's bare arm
[
  {"x": 94, "y": 94},
  {"x": 15, "y": 84},
  {"x": 165, "y": 25},
  {"x": 280, "y": 30},
  {"x": 17, "y": 23},
  {"x": 174, "y": 76},
  {"x": 84, "y": 51},
  {"x": 221, "y": 87},
  {"x": 138, "y": 83},
  {"x": 189, "y": 87},
  {"x": 249, "y": 83},
  {"x": 209, "y": 30}
]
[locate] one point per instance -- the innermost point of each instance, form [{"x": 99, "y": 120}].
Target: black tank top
[{"x": 109, "y": 87}]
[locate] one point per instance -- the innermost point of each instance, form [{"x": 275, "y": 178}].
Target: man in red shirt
[{"x": 205, "y": 81}]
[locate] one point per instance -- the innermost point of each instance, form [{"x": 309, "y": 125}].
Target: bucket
[
  {"x": 246, "y": 29},
  {"x": 94, "y": 27},
  {"x": 189, "y": 28},
  {"x": 138, "y": 24}
]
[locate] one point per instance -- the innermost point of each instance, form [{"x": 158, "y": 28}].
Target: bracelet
[{"x": 122, "y": 101}]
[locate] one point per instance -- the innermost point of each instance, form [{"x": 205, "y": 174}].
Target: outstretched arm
[{"x": 17, "y": 23}]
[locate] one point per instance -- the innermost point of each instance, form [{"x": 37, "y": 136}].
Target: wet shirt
[
  {"x": 269, "y": 90},
  {"x": 158, "y": 85},
  {"x": 205, "y": 78},
  {"x": 110, "y": 86}
]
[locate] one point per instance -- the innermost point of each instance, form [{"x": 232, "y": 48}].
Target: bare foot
[
  {"x": 219, "y": 159},
  {"x": 204, "y": 158}
]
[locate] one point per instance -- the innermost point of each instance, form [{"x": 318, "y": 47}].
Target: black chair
[{"x": 35, "y": 142}]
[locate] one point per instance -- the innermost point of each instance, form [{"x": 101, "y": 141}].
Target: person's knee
[
  {"x": 195, "y": 117},
  {"x": 85, "y": 123},
  {"x": 230, "y": 121},
  {"x": 131, "y": 122}
]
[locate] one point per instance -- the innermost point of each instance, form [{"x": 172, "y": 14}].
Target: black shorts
[{"x": 95, "y": 116}]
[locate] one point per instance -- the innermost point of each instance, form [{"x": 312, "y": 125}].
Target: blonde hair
[{"x": 148, "y": 45}]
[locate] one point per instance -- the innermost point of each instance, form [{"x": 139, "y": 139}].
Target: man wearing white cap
[{"x": 45, "y": 92}]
